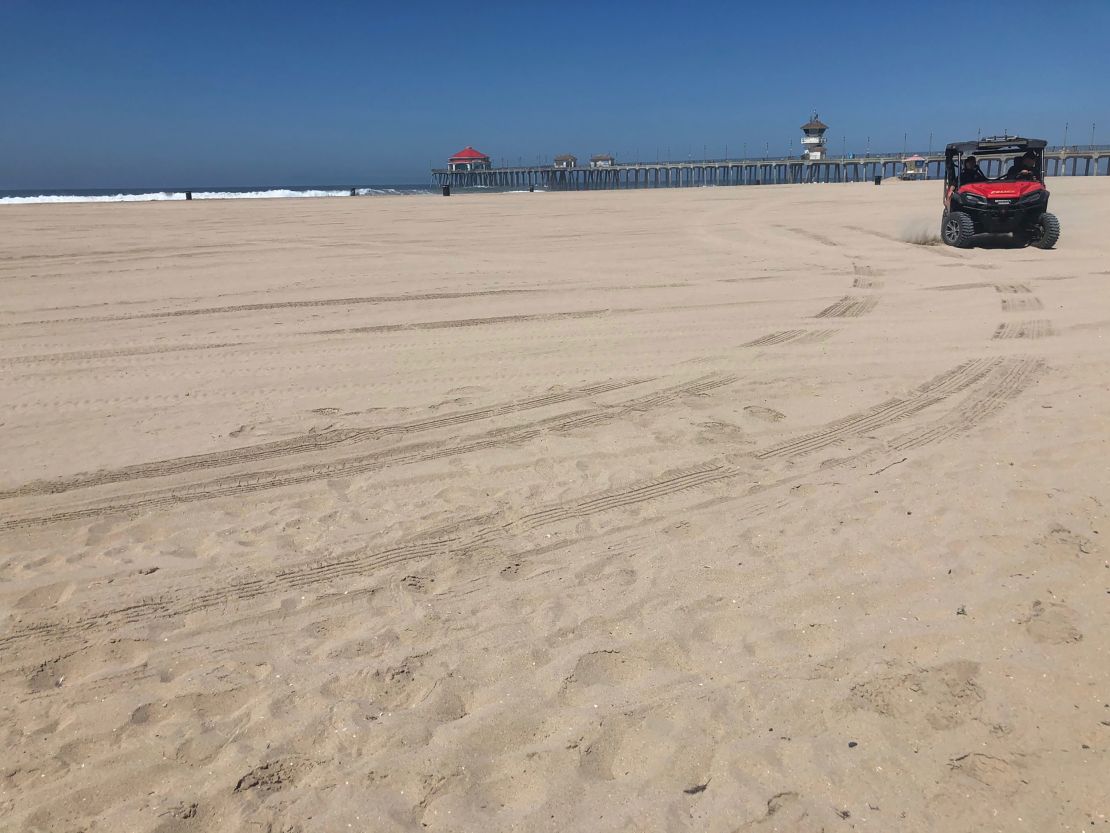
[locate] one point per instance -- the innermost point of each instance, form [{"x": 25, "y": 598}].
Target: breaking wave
[{"x": 156, "y": 196}]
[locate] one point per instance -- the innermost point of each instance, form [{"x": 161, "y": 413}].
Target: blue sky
[{"x": 148, "y": 94}]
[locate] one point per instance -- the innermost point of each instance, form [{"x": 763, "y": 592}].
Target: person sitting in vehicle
[
  {"x": 971, "y": 172},
  {"x": 1024, "y": 168}
]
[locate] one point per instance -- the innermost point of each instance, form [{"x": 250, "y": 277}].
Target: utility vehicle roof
[{"x": 996, "y": 144}]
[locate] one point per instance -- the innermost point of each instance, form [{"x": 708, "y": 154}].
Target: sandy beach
[{"x": 722, "y": 509}]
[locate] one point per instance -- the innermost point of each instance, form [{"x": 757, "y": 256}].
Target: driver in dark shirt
[
  {"x": 1024, "y": 168},
  {"x": 971, "y": 172}
]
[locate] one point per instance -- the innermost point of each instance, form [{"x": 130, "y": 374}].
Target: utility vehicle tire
[
  {"x": 957, "y": 229},
  {"x": 1046, "y": 232}
]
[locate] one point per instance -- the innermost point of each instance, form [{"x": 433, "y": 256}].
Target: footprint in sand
[
  {"x": 1000, "y": 774},
  {"x": 764, "y": 414},
  {"x": 192, "y": 706},
  {"x": 89, "y": 663},
  {"x": 1064, "y": 543},
  {"x": 659, "y": 746},
  {"x": 1051, "y": 624},
  {"x": 715, "y": 432},
  {"x": 385, "y": 689},
  {"x": 416, "y": 584},
  {"x": 943, "y": 695},
  {"x": 604, "y": 668},
  {"x": 46, "y": 596},
  {"x": 273, "y": 775}
]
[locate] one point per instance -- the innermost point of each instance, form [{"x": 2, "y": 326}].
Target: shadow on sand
[{"x": 997, "y": 241}]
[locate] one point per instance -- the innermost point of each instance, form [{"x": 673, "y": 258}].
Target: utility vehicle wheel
[
  {"x": 1046, "y": 232},
  {"x": 957, "y": 229}
]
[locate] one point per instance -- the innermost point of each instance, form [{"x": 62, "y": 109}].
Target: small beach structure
[
  {"x": 813, "y": 140},
  {"x": 913, "y": 167},
  {"x": 566, "y": 160},
  {"x": 602, "y": 160},
  {"x": 469, "y": 159}
]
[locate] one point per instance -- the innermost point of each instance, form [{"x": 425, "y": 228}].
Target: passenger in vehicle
[
  {"x": 971, "y": 172},
  {"x": 1024, "y": 168}
]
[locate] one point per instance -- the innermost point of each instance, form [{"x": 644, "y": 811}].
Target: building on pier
[
  {"x": 565, "y": 160},
  {"x": 469, "y": 159},
  {"x": 602, "y": 160},
  {"x": 813, "y": 142}
]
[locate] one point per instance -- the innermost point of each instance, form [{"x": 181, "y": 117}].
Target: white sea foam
[
  {"x": 156, "y": 196},
  {"x": 276, "y": 193},
  {"x": 49, "y": 198}
]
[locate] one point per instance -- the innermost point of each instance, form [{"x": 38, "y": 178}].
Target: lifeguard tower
[
  {"x": 913, "y": 167},
  {"x": 813, "y": 142}
]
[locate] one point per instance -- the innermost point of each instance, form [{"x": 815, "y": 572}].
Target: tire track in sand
[
  {"x": 236, "y": 485},
  {"x": 524, "y": 318},
  {"x": 1021, "y": 303},
  {"x": 1037, "y": 328},
  {"x": 849, "y": 306},
  {"x": 306, "y": 443},
  {"x": 792, "y": 337},
  {"x": 1005, "y": 382},
  {"x": 1001, "y": 380},
  {"x": 84, "y": 355},
  {"x": 955, "y": 287},
  {"x": 274, "y": 305},
  {"x": 893, "y": 410}
]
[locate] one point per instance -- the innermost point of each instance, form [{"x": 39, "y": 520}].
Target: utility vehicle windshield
[{"x": 1025, "y": 168}]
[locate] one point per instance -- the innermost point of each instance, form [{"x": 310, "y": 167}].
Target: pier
[{"x": 1075, "y": 161}]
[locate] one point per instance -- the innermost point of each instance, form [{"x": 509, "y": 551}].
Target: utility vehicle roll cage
[{"x": 991, "y": 146}]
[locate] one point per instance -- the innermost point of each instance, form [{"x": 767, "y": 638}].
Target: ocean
[{"x": 13, "y": 197}]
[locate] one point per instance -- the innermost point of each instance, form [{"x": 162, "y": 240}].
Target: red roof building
[{"x": 469, "y": 159}]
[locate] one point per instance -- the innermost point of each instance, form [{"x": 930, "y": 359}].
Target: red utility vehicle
[{"x": 1014, "y": 203}]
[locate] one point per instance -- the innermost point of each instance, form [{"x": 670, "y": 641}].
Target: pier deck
[{"x": 1084, "y": 161}]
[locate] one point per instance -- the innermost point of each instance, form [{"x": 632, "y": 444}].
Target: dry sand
[{"x": 715, "y": 510}]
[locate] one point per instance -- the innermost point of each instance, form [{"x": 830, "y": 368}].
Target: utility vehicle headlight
[
  {"x": 975, "y": 198},
  {"x": 1035, "y": 196}
]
